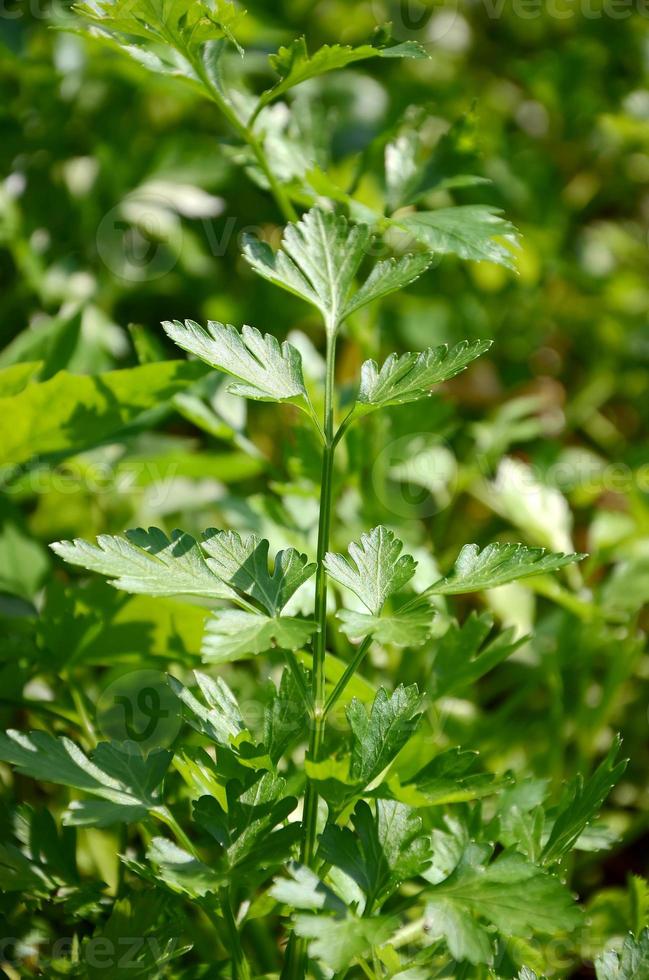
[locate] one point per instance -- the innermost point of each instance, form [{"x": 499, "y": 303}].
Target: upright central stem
[
  {"x": 320, "y": 641},
  {"x": 296, "y": 957}
]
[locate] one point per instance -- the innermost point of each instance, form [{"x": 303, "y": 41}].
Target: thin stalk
[
  {"x": 296, "y": 955},
  {"x": 240, "y": 969},
  {"x": 320, "y": 641},
  {"x": 248, "y": 136},
  {"x": 166, "y": 817},
  {"x": 345, "y": 678}
]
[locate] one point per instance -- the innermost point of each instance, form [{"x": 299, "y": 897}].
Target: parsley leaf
[
  {"x": 243, "y": 564},
  {"x": 497, "y": 564},
  {"x": 319, "y": 258},
  {"x": 265, "y": 369},
  {"x": 510, "y": 893},
  {"x": 472, "y": 231},
  {"x": 126, "y": 783},
  {"x": 149, "y": 563},
  {"x": 234, "y": 634},
  {"x": 582, "y": 804},
  {"x": 294, "y": 64},
  {"x": 376, "y": 571},
  {"x": 382, "y": 850},
  {"x": 410, "y": 377},
  {"x": 632, "y": 963}
]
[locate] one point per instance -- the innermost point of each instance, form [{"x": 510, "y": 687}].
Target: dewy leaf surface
[
  {"x": 496, "y": 565},
  {"x": 265, "y": 369},
  {"x": 376, "y": 570},
  {"x": 243, "y": 564},
  {"x": 410, "y": 377},
  {"x": 471, "y": 231},
  {"x": 631, "y": 963},
  {"x": 149, "y": 563}
]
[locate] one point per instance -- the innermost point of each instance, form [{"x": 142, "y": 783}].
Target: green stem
[
  {"x": 320, "y": 642},
  {"x": 350, "y": 670},
  {"x": 240, "y": 969},
  {"x": 166, "y": 817},
  {"x": 247, "y": 135},
  {"x": 239, "y": 966},
  {"x": 296, "y": 956}
]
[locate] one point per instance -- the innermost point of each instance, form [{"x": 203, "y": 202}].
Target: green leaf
[
  {"x": 445, "y": 166},
  {"x": 286, "y": 717},
  {"x": 243, "y": 564},
  {"x": 449, "y": 777},
  {"x": 410, "y": 377},
  {"x": 379, "y": 737},
  {"x": 148, "y": 562},
  {"x": 15, "y": 378},
  {"x": 252, "y": 832},
  {"x": 388, "y": 276},
  {"x": 472, "y": 231},
  {"x": 337, "y": 942},
  {"x": 220, "y": 717},
  {"x": 169, "y": 36},
  {"x": 381, "y": 852},
  {"x": 182, "y": 872},
  {"x": 141, "y": 928},
  {"x": 70, "y": 413},
  {"x": 18, "y": 873},
  {"x": 126, "y": 783},
  {"x": 234, "y": 634},
  {"x": 632, "y": 963},
  {"x": 304, "y": 890},
  {"x": 294, "y": 64},
  {"x": 318, "y": 260},
  {"x": 510, "y": 893},
  {"x": 376, "y": 570},
  {"x": 583, "y": 802},
  {"x": 408, "y": 629},
  {"x": 497, "y": 564},
  {"x": 462, "y": 656},
  {"x": 265, "y": 369}
]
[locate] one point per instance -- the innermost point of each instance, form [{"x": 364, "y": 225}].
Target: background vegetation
[{"x": 123, "y": 203}]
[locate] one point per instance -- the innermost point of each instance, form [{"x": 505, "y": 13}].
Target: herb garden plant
[{"x": 338, "y": 831}]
